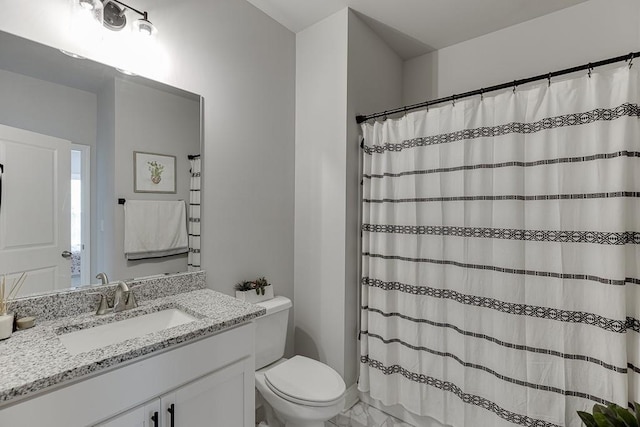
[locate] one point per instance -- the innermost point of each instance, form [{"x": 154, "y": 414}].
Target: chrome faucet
[
  {"x": 124, "y": 298},
  {"x": 103, "y": 278}
]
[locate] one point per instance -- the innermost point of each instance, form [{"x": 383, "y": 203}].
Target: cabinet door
[
  {"x": 143, "y": 416},
  {"x": 217, "y": 399}
]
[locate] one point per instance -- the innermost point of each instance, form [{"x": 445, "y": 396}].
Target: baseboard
[
  {"x": 399, "y": 412},
  {"x": 351, "y": 396}
]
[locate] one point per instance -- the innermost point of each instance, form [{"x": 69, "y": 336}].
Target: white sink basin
[{"x": 111, "y": 333}]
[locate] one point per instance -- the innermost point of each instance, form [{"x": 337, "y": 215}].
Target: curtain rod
[
  {"x": 193, "y": 156},
  {"x": 453, "y": 98}
]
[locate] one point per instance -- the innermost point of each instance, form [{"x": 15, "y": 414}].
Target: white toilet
[{"x": 301, "y": 391}]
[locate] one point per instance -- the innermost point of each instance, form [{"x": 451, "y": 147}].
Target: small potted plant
[
  {"x": 254, "y": 291},
  {"x": 611, "y": 416}
]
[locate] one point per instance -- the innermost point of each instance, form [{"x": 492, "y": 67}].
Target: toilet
[{"x": 299, "y": 392}]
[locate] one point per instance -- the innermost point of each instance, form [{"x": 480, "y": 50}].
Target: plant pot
[
  {"x": 252, "y": 297},
  {"x": 6, "y": 326}
]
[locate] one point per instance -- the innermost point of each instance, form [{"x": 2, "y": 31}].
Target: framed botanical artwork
[{"x": 154, "y": 173}]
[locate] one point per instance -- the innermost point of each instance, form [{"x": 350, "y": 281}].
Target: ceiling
[{"x": 415, "y": 27}]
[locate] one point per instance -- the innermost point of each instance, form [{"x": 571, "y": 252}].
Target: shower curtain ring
[
  {"x": 590, "y": 70},
  {"x": 631, "y": 60},
  {"x": 514, "y": 86},
  {"x": 482, "y": 94},
  {"x": 453, "y": 101},
  {"x": 549, "y": 79}
]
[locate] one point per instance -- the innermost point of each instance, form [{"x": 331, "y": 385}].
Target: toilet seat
[{"x": 306, "y": 382}]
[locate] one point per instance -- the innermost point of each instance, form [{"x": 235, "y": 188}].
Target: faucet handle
[
  {"x": 131, "y": 300},
  {"x": 103, "y": 306}
]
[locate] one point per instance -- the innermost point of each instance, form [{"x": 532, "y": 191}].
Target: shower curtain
[
  {"x": 193, "y": 258},
  {"x": 500, "y": 281}
]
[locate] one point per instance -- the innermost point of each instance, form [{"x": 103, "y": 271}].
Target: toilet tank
[{"x": 271, "y": 331}]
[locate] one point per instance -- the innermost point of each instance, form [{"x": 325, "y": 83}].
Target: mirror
[{"x": 69, "y": 128}]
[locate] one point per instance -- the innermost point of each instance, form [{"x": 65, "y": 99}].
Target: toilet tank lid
[{"x": 276, "y": 304}]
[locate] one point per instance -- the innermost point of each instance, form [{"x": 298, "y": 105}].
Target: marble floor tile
[{"x": 362, "y": 415}]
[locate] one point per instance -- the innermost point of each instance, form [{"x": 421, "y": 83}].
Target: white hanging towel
[{"x": 154, "y": 229}]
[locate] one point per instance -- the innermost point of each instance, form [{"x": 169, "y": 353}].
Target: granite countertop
[{"x": 35, "y": 359}]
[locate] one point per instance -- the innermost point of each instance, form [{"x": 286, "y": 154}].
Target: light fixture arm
[{"x": 126, "y": 6}]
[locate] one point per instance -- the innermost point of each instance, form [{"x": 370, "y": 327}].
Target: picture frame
[{"x": 154, "y": 173}]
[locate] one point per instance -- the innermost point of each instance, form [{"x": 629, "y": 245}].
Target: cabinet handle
[
  {"x": 172, "y": 410},
  {"x": 154, "y": 418}
]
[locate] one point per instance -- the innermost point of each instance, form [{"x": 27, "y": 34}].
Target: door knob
[{"x": 66, "y": 254}]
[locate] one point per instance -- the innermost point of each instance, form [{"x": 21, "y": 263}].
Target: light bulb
[
  {"x": 145, "y": 27},
  {"x": 86, "y": 21},
  {"x": 87, "y": 4}
]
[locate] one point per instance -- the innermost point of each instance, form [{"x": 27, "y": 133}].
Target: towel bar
[{"x": 123, "y": 201}]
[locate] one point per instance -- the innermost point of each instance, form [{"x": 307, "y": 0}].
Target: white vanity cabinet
[
  {"x": 209, "y": 382},
  {"x": 214, "y": 400}
]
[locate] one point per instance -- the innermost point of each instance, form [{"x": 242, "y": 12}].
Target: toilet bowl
[{"x": 300, "y": 391}]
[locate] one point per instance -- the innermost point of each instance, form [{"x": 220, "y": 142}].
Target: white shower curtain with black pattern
[
  {"x": 500, "y": 242},
  {"x": 193, "y": 258}
]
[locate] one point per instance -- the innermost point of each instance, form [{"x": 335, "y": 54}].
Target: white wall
[
  {"x": 47, "y": 108},
  {"x": 243, "y": 63},
  {"x": 104, "y": 239},
  {"x": 320, "y": 200},
  {"x": 587, "y": 32},
  {"x": 334, "y": 81}
]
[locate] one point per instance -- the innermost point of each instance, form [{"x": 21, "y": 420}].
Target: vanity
[{"x": 190, "y": 362}]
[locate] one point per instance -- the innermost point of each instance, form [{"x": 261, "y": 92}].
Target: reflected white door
[{"x": 35, "y": 209}]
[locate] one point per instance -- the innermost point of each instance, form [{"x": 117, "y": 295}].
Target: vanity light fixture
[{"x": 115, "y": 18}]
